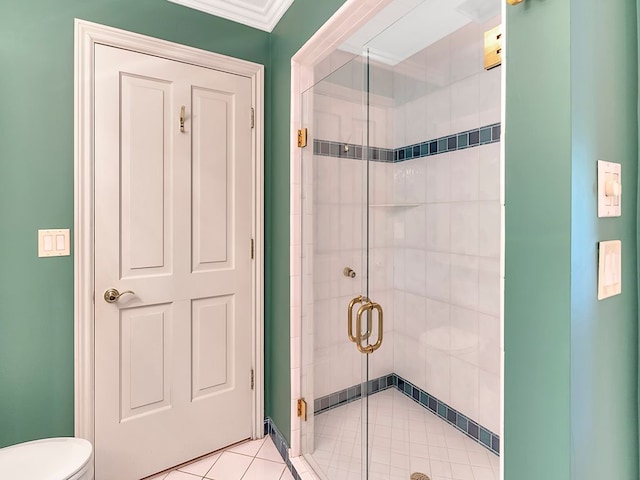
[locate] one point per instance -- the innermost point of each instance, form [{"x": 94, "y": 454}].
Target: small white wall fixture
[{"x": 87, "y": 35}]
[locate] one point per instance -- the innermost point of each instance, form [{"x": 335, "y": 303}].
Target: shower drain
[{"x": 419, "y": 476}]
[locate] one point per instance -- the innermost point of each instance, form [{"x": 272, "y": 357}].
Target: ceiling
[
  {"x": 398, "y": 31},
  {"x": 261, "y": 14},
  {"x": 405, "y": 27}
]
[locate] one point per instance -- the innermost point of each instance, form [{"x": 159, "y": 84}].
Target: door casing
[{"x": 87, "y": 34}]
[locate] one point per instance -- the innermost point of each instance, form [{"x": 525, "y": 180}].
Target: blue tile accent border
[
  {"x": 328, "y": 148},
  {"x": 281, "y": 444},
  {"x": 353, "y": 393},
  {"x": 436, "y": 146},
  {"x": 460, "y": 421}
]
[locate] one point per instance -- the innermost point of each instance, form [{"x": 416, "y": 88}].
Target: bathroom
[{"x": 570, "y": 369}]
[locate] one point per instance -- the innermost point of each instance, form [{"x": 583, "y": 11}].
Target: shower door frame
[{"x": 349, "y": 18}]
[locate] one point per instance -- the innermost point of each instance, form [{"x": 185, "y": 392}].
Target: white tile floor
[
  {"x": 404, "y": 437},
  {"x": 254, "y": 460}
]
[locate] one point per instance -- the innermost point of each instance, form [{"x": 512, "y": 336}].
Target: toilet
[{"x": 64, "y": 458}]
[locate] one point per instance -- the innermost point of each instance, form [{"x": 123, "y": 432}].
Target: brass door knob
[{"x": 112, "y": 295}]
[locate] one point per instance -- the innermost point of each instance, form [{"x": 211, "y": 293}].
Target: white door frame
[{"x": 88, "y": 34}]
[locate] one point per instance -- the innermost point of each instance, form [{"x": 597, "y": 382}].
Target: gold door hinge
[
  {"x": 493, "y": 48},
  {"x": 253, "y": 249},
  {"x": 302, "y": 409},
  {"x": 252, "y": 379},
  {"x": 302, "y": 137},
  {"x": 253, "y": 118}
]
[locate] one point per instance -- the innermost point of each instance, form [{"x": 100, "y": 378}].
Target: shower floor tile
[{"x": 404, "y": 438}]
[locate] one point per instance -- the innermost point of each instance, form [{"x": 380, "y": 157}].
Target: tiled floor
[
  {"x": 254, "y": 460},
  {"x": 404, "y": 437}
]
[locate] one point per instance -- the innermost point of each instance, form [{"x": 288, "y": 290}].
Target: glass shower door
[
  {"x": 402, "y": 211},
  {"x": 341, "y": 325}
]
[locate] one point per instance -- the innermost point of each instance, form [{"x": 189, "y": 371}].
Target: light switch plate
[
  {"x": 54, "y": 243},
  {"x": 609, "y": 269},
  {"x": 609, "y": 183}
]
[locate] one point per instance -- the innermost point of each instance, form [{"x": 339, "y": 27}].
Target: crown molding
[{"x": 242, "y": 11}]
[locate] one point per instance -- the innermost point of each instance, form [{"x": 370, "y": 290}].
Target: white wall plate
[
  {"x": 610, "y": 269},
  {"x": 609, "y": 189},
  {"x": 53, "y": 243}
]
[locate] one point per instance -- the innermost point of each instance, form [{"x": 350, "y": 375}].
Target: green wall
[
  {"x": 538, "y": 242},
  {"x": 604, "y": 334},
  {"x": 301, "y": 21},
  {"x": 36, "y": 186},
  {"x": 571, "y": 383}
]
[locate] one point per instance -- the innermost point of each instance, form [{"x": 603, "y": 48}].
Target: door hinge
[
  {"x": 253, "y": 117},
  {"x": 302, "y": 137},
  {"x": 252, "y": 379},
  {"x": 253, "y": 250},
  {"x": 302, "y": 409},
  {"x": 493, "y": 47}
]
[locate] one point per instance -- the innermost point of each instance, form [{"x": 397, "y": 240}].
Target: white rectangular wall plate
[
  {"x": 54, "y": 243},
  {"x": 609, "y": 189},
  {"x": 609, "y": 269}
]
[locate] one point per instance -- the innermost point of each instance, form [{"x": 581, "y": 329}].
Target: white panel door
[{"x": 173, "y": 210}]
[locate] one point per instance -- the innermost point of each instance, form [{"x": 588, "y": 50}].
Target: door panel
[
  {"x": 145, "y": 348},
  {"x": 212, "y": 145},
  {"x": 212, "y": 361},
  {"x": 173, "y": 224},
  {"x": 145, "y": 167}
]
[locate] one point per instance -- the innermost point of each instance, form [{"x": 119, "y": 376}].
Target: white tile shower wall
[
  {"x": 434, "y": 232},
  {"x": 336, "y": 205},
  {"x": 447, "y": 248}
]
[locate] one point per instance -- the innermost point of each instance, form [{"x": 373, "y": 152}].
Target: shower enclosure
[{"x": 401, "y": 248}]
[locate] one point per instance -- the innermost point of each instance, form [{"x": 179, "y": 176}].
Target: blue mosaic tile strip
[
  {"x": 463, "y": 423},
  {"x": 352, "y": 394},
  {"x": 450, "y": 143},
  {"x": 351, "y": 150},
  {"x": 281, "y": 444}
]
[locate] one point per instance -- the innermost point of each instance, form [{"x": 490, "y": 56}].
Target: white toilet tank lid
[{"x": 48, "y": 459}]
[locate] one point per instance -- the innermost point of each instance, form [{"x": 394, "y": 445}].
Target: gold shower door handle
[
  {"x": 356, "y": 301},
  {"x": 369, "y": 308}
]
